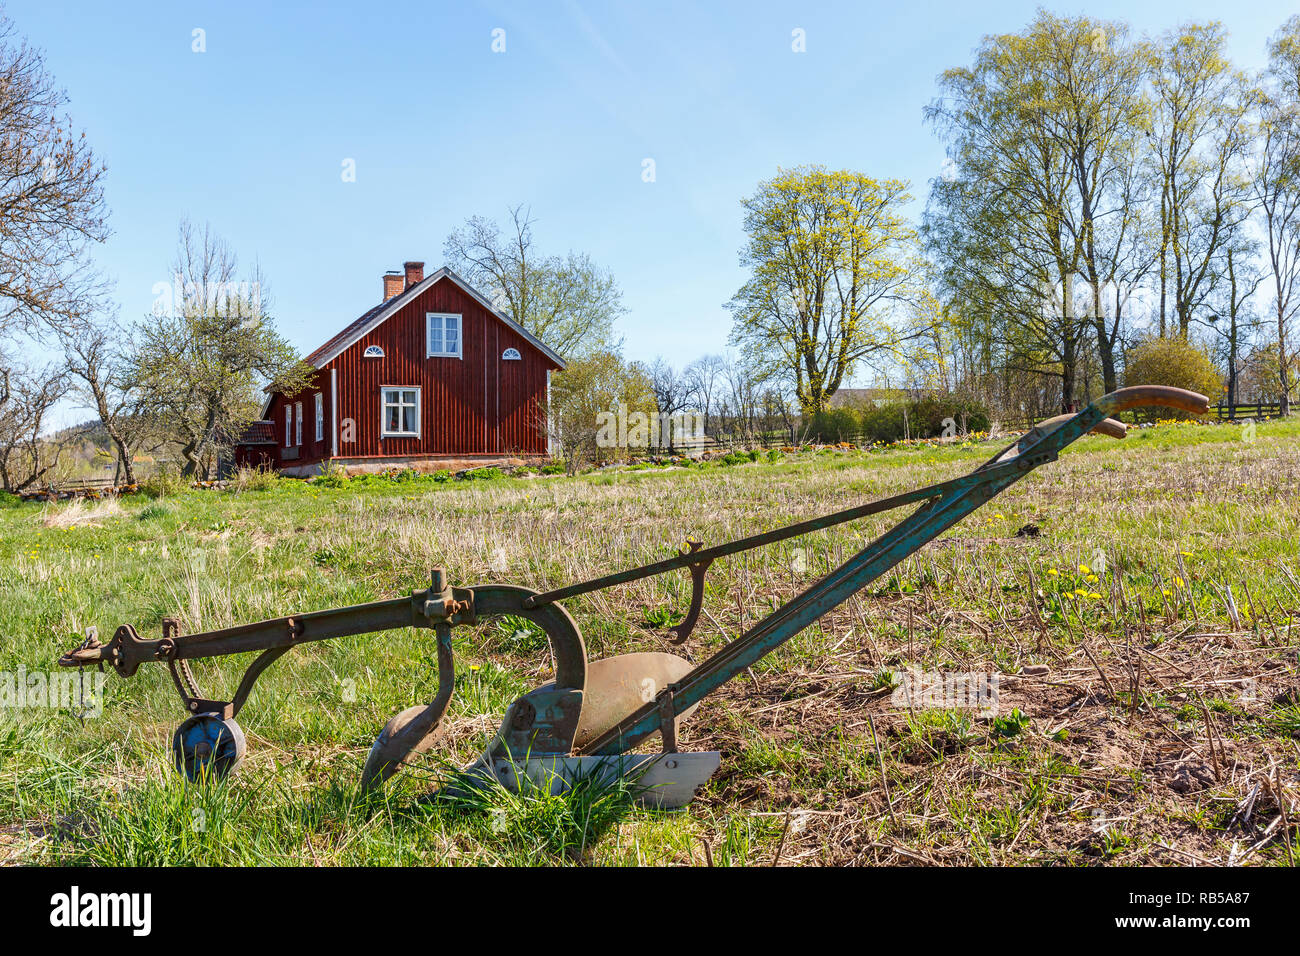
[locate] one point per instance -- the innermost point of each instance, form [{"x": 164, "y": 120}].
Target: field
[{"x": 1143, "y": 633}]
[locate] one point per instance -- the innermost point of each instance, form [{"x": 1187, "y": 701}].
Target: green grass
[{"x": 1177, "y": 514}]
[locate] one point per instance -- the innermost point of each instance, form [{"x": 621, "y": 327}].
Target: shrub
[
  {"x": 487, "y": 473},
  {"x": 554, "y": 468},
  {"x": 8, "y": 500},
  {"x": 833, "y": 425},
  {"x": 883, "y": 423},
  {"x": 254, "y": 479},
  {"x": 163, "y": 484},
  {"x": 927, "y": 416},
  {"x": 1172, "y": 361},
  {"x": 332, "y": 476}
]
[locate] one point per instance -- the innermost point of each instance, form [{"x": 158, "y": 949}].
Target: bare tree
[
  {"x": 567, "y": 301},
  {"x": 744, "y": 382},
  {"x": 704, "y": 377},
  {"x": 1277, "y": 188},
  {"x": 26, "y": 456},
  {"x": 101, "y": 362},
  {"x": 201, "y": 368},
  {"x": 52, "y": 199}
]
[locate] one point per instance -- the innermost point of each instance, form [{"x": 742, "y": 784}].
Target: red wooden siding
[
  {"x": 478, "y": 404},
  {"x": 468, "y": 405},
  {"x": 311, "y": 450}
]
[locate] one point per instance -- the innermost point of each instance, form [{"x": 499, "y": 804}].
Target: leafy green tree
[
  {"x": 829, "y": 252},
  {"x": 1199, "y": 140},
  {"x": 591, "y": 388},
  {"x": 1277, "y": 190},
  {"x": 1040, "y": 196}
]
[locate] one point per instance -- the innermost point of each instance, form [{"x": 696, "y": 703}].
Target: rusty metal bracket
[
  {"x": 698, "y": 569},
  {"x": 668, "y": 721}
]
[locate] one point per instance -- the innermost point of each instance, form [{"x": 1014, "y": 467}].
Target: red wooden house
[{"x": 433, "y": 371}]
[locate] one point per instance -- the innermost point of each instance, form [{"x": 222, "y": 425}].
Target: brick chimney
[
  {"x": 414, "y": 272},
  {"x": 392, "y": 284}
]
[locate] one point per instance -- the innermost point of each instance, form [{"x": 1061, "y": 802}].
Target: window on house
[
  {"x": 444, "y": 334},
  {"x": 401, "y": 411},
  {"x": 288, "y": 425},
  {"x": 320, "y": 417},
  {"x": 297, "y": 408},
  {"x": 373, "y": 351}
]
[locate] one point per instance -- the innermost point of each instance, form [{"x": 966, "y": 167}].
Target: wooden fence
[{"x": 1232, "y": 413}]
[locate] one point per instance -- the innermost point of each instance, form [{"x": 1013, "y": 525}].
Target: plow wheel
[{"x": 208, "y": 746}]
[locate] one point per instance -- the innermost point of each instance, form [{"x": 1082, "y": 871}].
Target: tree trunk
[
  {"x": 123, "y": 456},
  {"x": 1283, "y": 376},
  {"x": 1232, "y": 334}
]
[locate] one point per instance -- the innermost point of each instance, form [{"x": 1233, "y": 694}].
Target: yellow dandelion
[{"x": 1084, "y": 569}]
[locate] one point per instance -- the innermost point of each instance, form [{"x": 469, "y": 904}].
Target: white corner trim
[{"x": 334, "y": 412}]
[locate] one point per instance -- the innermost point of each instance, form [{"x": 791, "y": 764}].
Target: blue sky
[{"x": 251, "y": 135}]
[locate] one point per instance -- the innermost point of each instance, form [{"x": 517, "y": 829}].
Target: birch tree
[
  {"x": 1277, "y": 190},
  {"x": 829, "y": 254}
]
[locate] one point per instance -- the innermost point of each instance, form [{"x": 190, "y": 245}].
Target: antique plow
[{"x": 588, "y": 720}]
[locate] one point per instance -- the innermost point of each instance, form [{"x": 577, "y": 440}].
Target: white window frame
[
  {"x": 288, "y": 425},
  {"x": 320, "y": 416},
  {"x": 377, "y": 351},
  {"x": 384, "y": 405},
  {"x": 297, "y": 408},
  {"x": 460, "y": 335}
]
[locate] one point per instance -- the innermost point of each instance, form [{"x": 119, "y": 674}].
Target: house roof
[
  {"x": 258, "y": 433},
  {"x": 373, "y": 317}
]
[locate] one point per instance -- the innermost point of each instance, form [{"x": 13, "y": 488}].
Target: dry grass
[{"x": 83, "y": 513}]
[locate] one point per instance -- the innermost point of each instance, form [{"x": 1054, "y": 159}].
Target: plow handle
[
  {"x": 1143, "y": 396},
  {"x": 1134, "y": 396},
  {"x": 1108, "y": 427}
]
